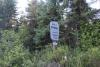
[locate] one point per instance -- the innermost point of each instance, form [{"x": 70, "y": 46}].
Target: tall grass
[{"x": 67, "y": 58}]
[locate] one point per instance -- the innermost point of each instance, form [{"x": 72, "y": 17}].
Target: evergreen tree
[
  {"x": 7, "y": 10},
  {"x": 77, "y": 19},
  {"x": 40, "y": 14}
]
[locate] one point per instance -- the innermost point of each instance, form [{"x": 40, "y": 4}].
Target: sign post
[{"x": 54, "y": 32}]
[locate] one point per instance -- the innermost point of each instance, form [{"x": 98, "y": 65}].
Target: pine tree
[
  {"x": 40, "y": 15},
  {"x": 77, "y": 19},
  {"x": 7, "y": 10},
  {"x": 76, "y": 16}
]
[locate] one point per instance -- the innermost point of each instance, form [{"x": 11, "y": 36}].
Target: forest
[{"x": 26, "y": 42}]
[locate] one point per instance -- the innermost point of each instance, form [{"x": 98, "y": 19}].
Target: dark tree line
[{"x": 7, "y": 11}]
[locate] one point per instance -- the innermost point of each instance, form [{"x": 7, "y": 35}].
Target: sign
[{"x": 54, "y": 31}]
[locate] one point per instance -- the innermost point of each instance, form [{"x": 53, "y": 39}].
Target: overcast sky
[
  {"x": 94, "y": 5},
  {"x": 22, "y": 4}
]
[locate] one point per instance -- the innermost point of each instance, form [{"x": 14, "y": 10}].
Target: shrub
[{"x": 12, "y": 52}]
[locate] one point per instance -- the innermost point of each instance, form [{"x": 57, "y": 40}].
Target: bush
[
  {"x": 90, "y": 58},
  {"x": 89, "y": 36},
  {"x": 12, "y": 52}
]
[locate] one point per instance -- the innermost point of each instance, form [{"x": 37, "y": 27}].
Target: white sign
[{"x": 54, "y": 31}]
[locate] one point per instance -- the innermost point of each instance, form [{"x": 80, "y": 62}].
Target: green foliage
[
  {"x": 79, "y": 31},
  {"x": 12, "y": 52},
  {"x": 48, "y": 55},
  {"x": 42, "y": 24},
  {"x": 40, "y": 33},
  {"x": 57, "y": 54},
  {"x": 88, "y": 58},
  {"x": 24, "y": 33},
  {"x": 90, "y": 36},
  {"x": 42, "y": 13},
  {"x": 25, "y": 37},
  {"x": 7, "y": 9}
]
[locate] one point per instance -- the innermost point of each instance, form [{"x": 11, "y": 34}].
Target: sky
[
  {"x": 94, "y": 5},
  {"x": 23, "y": 4}
]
